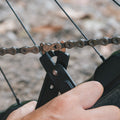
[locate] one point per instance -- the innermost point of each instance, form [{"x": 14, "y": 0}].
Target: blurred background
[{"x": 47, "y": 23}]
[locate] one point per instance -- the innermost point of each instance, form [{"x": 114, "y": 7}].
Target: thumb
[{"x": 22, "y": 111}]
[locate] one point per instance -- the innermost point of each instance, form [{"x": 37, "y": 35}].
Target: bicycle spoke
[
  {"x": 46, "y": 47},
  {"x": 12, "y": 90},
  {"x": 20, "y": 21},
  {"x": 116, "y": 2},
  {"x": 78, "y": 28}
]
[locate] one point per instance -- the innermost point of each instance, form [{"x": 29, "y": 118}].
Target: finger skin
[
  {"x": 73, "y": 105},
  {"x": 22, "y": 111},
  {"x": 87, "y": 93},
  {"x": 104, "y": 113},
  {"x": 72, "y": 102}
]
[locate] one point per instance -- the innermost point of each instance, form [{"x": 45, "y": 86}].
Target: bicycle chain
[{"x": 46, "y": 47}]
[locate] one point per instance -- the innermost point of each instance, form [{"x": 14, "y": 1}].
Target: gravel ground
[{"x": 46, "y": 23}]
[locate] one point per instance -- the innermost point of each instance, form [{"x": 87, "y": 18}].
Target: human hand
[{"x": 73, "y": 105}]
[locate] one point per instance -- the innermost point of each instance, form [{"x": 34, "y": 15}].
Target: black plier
[{"x": 57, "y": 79}]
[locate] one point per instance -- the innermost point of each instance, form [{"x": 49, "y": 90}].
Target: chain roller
[{"x": 45, "y": 47}]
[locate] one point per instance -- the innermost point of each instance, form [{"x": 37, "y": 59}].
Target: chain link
[{"x": 46, "y": 47}]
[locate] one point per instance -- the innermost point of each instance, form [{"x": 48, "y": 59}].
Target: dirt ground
[{"x": 47, "y": 23}]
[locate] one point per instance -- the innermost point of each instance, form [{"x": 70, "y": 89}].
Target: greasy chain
[{"x": 46, "y": 47}]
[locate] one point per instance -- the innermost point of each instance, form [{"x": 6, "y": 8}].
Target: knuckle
[
  {"x": 56, "y": 105},
  {"x": 61, "y": 102}
]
